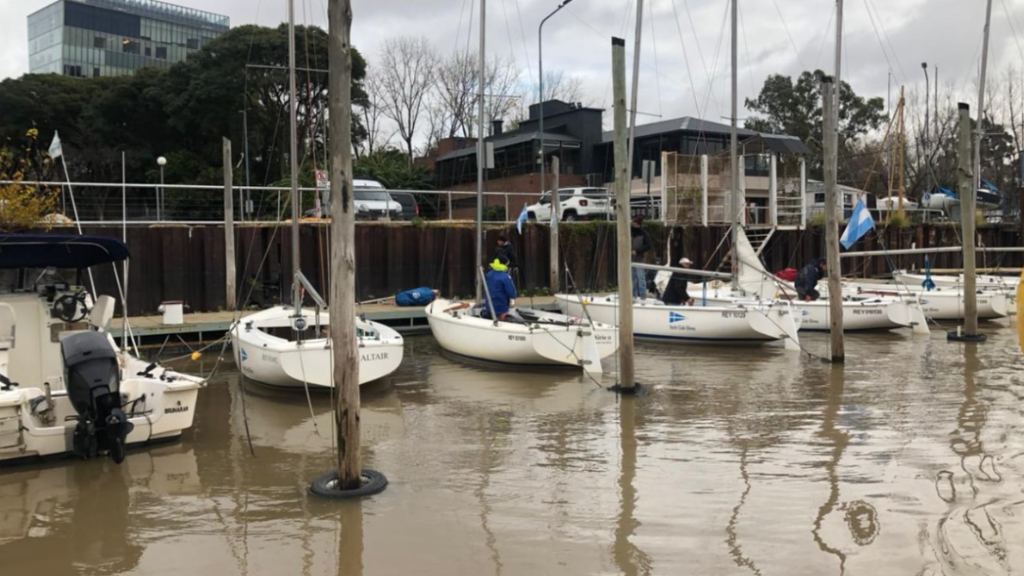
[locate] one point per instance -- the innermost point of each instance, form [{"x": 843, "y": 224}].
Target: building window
[
  {"x": 161, "y": 52},
  {"x": 148, "y": 51},
  {"x": 129, "y": 46},
  {"x": 99, "y": 42},
  {"x": 95, "y": 72},
  {"x": 192, "y": 44}
]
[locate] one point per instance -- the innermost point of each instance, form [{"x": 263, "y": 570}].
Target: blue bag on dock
[{"x": 414, "y": 297}]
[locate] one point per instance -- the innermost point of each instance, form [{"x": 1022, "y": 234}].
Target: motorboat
[
  {"x": 527, "y": 337},
  {"x": 67, "y": 388},
  {"x": 278, "y": 348}
]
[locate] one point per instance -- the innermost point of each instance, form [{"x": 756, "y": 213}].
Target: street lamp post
[
  {"x": 160, "y": 191},
  {"x": 540, "y": 91}
]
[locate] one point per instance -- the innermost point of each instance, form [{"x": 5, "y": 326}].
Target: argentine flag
[
  {"x": 860, "y": 222},
  {"x": 521, "y": 219}
]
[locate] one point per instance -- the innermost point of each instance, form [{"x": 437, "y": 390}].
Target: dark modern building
[
  {"x": 86, "y": 38},
  {"x": 571, "y": 132}
]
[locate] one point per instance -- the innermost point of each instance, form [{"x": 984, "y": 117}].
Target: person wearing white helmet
[{"x": 675, "y": 293}]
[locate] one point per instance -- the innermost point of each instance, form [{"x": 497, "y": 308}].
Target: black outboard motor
[{"x": 93, "y": 384}]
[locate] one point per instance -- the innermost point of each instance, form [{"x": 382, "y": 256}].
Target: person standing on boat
[
  {"x": 642, "y": 242},
  {"x": 500, "y": 290},
  {"x": 676, "y": 293},
  {"x": 506, "y": 248},
  {"x": 807, "y": 280}
]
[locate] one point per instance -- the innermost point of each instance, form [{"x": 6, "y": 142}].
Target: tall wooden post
[
  {"x": 624, "y": 243},
  {"x": 343, "y": 255},
  {"x": 830, "y": 138},
  {"x": 555, "y": 205},
  {"x": 229, "y": 232},
  {"x": 966, "y": 182}
]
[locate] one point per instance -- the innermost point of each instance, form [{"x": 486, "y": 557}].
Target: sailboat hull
[
  {"x": 526, "y": 344},
  {"x": 284, "y": 363},
  {"x": 943, "y": 303},
  {"x": 699, "y": 324}
]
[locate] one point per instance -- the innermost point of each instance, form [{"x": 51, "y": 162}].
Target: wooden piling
[
  {"x": 965, "y": 181},
  {"x": 627, "y": 379},
  {"x": 230, "y": 290},
  {"x": 830, "y": 138}
]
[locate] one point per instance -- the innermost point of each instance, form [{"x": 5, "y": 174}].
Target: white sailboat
[
  {"x": 751, "y": 322},
  {"x": 66, "y": 386},
  {"x": 859, "y": 312},
  {"x": 527, "y": 337},
  {"x": 286, "y": 346},
  {"x": 945, "y": 303},
  {"x": 984, "y": 281}
]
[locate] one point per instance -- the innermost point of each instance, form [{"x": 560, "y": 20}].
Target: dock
[{"x": 204, "y": 326}]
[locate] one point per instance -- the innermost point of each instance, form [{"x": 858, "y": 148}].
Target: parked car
[
  {"x": 410, "y": 209},
  {"x": 373, "y": 202},
  {"x": 574, "y": 204}
]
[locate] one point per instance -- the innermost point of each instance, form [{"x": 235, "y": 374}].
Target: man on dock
[
  {"x": 676, "y": 293},
  {"x": 807, "y": 280},
  {"x": 642, "y": 242},
  {"x": 500, "y": 290}
]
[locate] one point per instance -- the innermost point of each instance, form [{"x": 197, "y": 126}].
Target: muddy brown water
[{"x": 751, "y": 460}]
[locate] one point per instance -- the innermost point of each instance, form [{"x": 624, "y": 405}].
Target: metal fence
[{"x": 99, "y": 203}]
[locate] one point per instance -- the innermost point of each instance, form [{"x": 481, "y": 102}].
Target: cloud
[{"x": 684, "y": 68}]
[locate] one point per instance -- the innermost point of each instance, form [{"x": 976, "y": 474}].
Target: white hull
[
  {"x": 867, "y": 314},
  {"x": 275, "y": 361},
  {"x": 943, "y": 303},
  {"x": 159, "y": 410},
  {"x": 702, "y": 324},
  {"x": 555, "y": 340},
  {"x": 982, "y": 281}
]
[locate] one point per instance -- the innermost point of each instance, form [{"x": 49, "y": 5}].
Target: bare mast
[{"x": 293, "y": 157}]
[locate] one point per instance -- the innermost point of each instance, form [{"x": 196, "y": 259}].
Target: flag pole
[{"x": 56, "y": 145}]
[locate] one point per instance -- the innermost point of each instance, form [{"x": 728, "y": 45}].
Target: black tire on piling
[{"x": 324, "y": 485}]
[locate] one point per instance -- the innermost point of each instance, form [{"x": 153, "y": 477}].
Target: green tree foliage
[
  {"x": 795, "y": 109},
  {"x": 182, "y": 112},
  {"x": 391, "y": 168}
]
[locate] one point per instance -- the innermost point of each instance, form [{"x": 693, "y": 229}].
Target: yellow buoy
[{"x": 196, "y": 355}]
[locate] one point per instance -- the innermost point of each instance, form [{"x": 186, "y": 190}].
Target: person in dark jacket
[
  {"x": 807, "y": 280},
  {"x": 676, "y": 293},
  {"x": 500, "y": 290},
  {"x": 641, "y": 243},
  {"x": 504, "y": 247}
]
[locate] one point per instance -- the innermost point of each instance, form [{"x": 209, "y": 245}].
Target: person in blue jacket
[{"x": 500, "y": 288}]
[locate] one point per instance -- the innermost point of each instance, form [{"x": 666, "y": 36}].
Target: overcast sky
[{"x": 776, "y": 36}]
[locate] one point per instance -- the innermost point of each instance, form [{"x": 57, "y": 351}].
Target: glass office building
[{"x": 87, "y": 38}]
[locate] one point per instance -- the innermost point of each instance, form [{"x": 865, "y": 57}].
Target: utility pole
[
  {"x": 636, "y": 83},
  {"x": 229, "y": 231},
  {"x": 627, "y": 377},
  {"x": 342, "y": 253},
  {"x": 980, "y": 129},
  {"x": 481, "y": 160},
  {"x": 734, "y": 168},
  {"x": 830, "y": 137},
  {"x": 555, "y": 206},
  {"x": 968, "y": 190}
]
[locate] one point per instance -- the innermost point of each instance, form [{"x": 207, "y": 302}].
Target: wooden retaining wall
[{"x": 187, "y": 263}]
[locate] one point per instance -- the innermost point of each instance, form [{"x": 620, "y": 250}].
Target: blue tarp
[{"x": 59, "y": 251}]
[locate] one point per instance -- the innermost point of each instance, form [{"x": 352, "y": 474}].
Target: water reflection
[{"x": 906, "y": 460}]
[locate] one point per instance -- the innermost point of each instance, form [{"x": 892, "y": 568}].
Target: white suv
[{"x": 574, "y": 204}]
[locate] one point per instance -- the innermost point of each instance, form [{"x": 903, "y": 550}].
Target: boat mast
[
  {"x": 480, "y": 151},
  {"x": 734, "y": 172},
  {"x": 979, "y": 129},
  {"x": 633, "y": 92},
  {"x": 293, "y": 156}
]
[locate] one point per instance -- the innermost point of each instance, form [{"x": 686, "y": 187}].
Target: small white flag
[{"x": 55, "y": 149}]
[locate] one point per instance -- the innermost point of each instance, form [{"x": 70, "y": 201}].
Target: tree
[
  {"x": 408, "y": 67},
  {"x": 457, "y": 80},
  {"x": 795, "y": 109},
  {"x": 24, "y": 205},
  {"x": 372, "y": 113}
]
